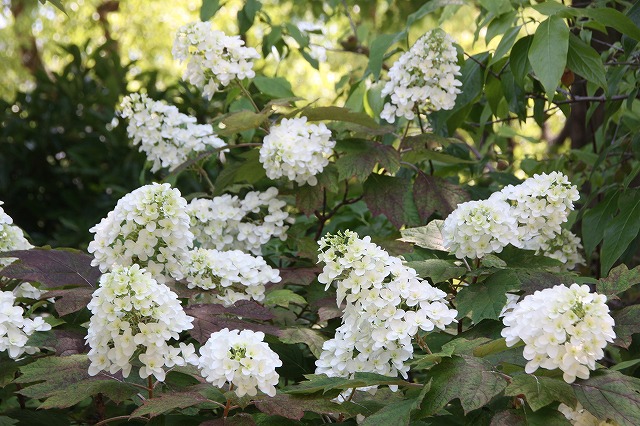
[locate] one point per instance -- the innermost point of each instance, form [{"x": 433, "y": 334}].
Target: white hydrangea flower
[
  {"x": 234, "y": 275},
  {"x": 540, "y": 204},
  {"x": 213, "y": 58},
  {"x": 296, "y": 150},
  {"x": 230, "y": 223},
  {"x": 562, "y": 327},
  {"x": 581, "y": 417},
  {"x": 134, "y": 315},
  {"x": 423, "y": 77},
  {"x": 165, "y": 135},
  {"x": 15, "y": 329},
  {"x": 148, "y": 227},
  {"x": 564, "y": 247},
  {"x": 11, "y": 237},
  {"x": 386, "y": 304},
  {"x": 476, "y": 228},
  {"x": 242, "y": 359}
]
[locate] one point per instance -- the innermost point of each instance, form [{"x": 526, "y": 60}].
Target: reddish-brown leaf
[
  {"x": 52, "y": 268},
  {"x": 70, "y": 300}
]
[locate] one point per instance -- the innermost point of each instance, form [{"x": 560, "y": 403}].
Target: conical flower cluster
[
  {"x": 562, "y": 327},
  {"x": 386, "y": 305},
  {"x": 15, "y": 329}
]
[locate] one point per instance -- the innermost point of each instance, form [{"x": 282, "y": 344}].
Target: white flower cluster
[
  {"x": 297, "y": 150},
  {"x": 227, "y": 222},
  {"x": 11, "y": 237},
  {"x": 564, "y": 247},
  {"x": 234, "y": 275},
  {"x": 528, "y": 216},
  {"x": 425, "y": 76},
  {"x": 386, "y": 304},
  {"x": 214, "y": 59},
  {"x": 15, "y": 329},
  {"x": 541, "y": 204},
  {"x": 134, "y": 314},
  {"x": 476, "y": 228},
  {"x": 562, "y": 327},
  {"x": 165, "y": 135},
  {"x": 581, "y": 417},
  {"x": 149, "y": 227},
  {"x": 242, "y": 359}
]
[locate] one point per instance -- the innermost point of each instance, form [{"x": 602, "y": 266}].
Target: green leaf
[
  {"x": 627, "y": 323},
  {"x": 293, "y": 406},
  {"x": 519, "y": 59},
  {"x": 169, "y": 401},
  {"x": 335, "y": 113},
  {"x": 611, "y": 18},
  {"x": 208, "y": 9},
  {"x": 379, "y": 47},
  {"x": 622, "y": 230},
  {"x": 240, "y": 121},
  {"x": 541, "y": 391},
  {"x": 65, "y": 381},
  {"x": 300, "y": 38},
  {"x": 620, "y": 279},
  {"x": 429, "y": 236},
  {"x": 398, "y": 413},
  {"x": 52, "y": 268},
  {"x": 283, "y": 297},
  {"x": 274, "y": 87},
  {"x": 506, "y": 42},
  {"x": 485, "y": 300},
  {"x": 625, "y": 364},
  {"x": 611, "y": 395},
  {"x": 438, "y": 270},
  {"x": 321, "y": 383},
  {"x": 602, "y": 15},
  {"x": 472, "y": 380},
  {"x": 386, "y": 195},
  {"x": 548, "y": 416},
  {"x": 497, "y": 7},
  {"x": 585, "y": 61},
  {"x": 312, "y": 338},
  {"x": 251, "y": 170},
  {"x": 526, "y": 259},
  {"x": 548, "y": 52},
  {"x": 595, "y": 221},
  {"x": 472, "y": 79}
]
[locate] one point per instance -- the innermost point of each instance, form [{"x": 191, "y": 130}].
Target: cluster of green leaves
[{"x": 393, "y": 183}]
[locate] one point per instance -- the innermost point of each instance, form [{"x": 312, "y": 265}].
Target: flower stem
[
  {"x": 228, "y": 406},
  {"x": 150, "y": 386}
]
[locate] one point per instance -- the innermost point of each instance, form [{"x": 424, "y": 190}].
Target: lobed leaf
[
  {"x": 387, "y": 195},
  {"x": 620, "y": 279},
  {"x": 433, "y": 194},
  {"x": 471, "y": 380},
  {"x": 627, "y": 323},
  {"x": 429, "y": 236},
  {"x": 610, "y": 395},
  {"x": 310, "y": 337},
  {"x": 485, "y": 300},
  {"x": 540, "y": 391}
]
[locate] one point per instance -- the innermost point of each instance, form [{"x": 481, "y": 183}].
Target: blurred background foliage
[{"x": 65, "y": 73}]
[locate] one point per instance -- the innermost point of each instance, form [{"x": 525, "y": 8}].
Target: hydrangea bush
[{"x": 383, "y": 257}]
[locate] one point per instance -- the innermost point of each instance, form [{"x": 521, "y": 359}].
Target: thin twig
[
  {"x": 353, "y": 25},
  {"x": 115, "y": 419}
]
